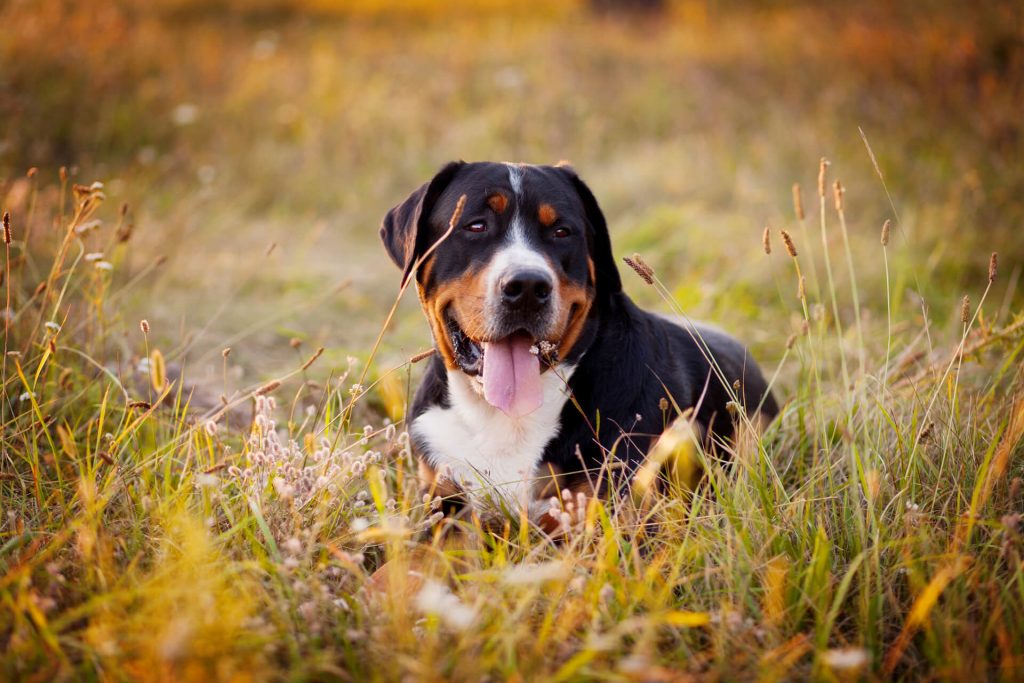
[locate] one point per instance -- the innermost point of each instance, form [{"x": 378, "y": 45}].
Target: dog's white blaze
[
  {"x": 515, "y": 178},
  {"x": 484, "y": 450},
  {"x": 516, "y": 254}
]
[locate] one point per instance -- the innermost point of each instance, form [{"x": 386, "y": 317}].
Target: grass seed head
[
  {"x": 637, "y": 263},
  {"x": 993, "y": 263},
  {"x": 822, "y": 172},
  {"x": 787, "y": 240},
  {"x": 837, "y": 195},
  {"x": 144, "y": 326},
  {"x": 965, "y": 309},
  {"x": 798, "y": 202},
  {"x": 7, "y": 227},
  {"x": 766, "y": 240},
  {"x": 268, "y": 387},
  {"x": 886, "y": 226}
]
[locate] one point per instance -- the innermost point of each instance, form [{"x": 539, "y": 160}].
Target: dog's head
[{"x": 511, "y": 289}]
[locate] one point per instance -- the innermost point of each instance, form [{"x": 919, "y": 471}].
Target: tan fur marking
[
  {"x": 433, "y": 484},
  {"x": 466, "y": 296},
  {"x": 581, "y": 297},
  {"x": 547, "y": 215},
  {"x": 498, "y": 202}
]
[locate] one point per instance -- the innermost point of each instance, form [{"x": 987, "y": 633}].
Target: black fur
[{"x": 627, "y": 359}]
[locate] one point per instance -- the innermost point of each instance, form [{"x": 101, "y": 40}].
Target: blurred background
[{"x": 258, "y": 143}]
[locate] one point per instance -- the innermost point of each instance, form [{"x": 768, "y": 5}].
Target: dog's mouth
[{"x": 509, "y": 368}]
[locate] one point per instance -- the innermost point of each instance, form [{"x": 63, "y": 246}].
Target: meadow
[{"x": 204, "y": 470}]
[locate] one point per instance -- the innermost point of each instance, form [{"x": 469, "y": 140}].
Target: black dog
[{"x": 544, "y": 368}]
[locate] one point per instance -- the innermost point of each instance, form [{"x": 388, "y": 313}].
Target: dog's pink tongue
[{"x": 512, "y": 376}]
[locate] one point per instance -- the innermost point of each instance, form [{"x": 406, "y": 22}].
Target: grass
[{"x": 213, "y": 494}]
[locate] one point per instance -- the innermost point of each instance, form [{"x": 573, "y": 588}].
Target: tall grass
[{"x": 872, "y": 531}]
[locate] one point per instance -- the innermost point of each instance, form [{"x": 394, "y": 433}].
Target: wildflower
[
  {"x": 52, "y": 327},
  {"x": 28, "y": 395},
  {"x": 847, "y": 658},
  {"x": 527, "y": 574},
  {"x": 436, "y": 599},
  {"x": 210, "y": 427}
]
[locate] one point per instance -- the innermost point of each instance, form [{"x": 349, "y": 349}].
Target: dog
[{"x": 545, "y": 371}]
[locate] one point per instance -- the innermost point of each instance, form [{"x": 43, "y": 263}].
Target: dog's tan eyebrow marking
[
  {"x": 547, "y": 215},
  {"x": 498, "y": 202}
]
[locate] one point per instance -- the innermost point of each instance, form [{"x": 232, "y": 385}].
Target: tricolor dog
[{"x": 545, "y": 369}]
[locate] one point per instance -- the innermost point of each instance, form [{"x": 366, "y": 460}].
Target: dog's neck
[{"x": 485, "y": 451}]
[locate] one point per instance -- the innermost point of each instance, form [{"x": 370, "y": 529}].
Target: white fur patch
[{"x": 485, "y": 451}]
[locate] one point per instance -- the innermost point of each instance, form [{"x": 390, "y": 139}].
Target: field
[{"x": 204, "y": 471}]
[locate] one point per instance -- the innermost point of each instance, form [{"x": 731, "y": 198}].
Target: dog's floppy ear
[
  {"x": 608, "y": 281},
  {"x": 403, "y": 229}
]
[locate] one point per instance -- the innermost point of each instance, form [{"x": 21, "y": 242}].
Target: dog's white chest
[{"x": 484, "y": 450}]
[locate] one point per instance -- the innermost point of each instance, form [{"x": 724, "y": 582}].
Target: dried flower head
[
  {"x": 295, "y": 342},
  {"x": 766, "y": 240},
  {"x": 886, "y": 226},
  {"x": 993, "y": 263},
  {"x": 798, "y": 202},
  {"x": 965, "y": 309},
  {"x": 788, "y": 242},
  {"x": 144, "y": 326},
  {"x": 822, "y": 171},
  {"x": 7, "y": 227},
  {"x": 226, "y": 352}
]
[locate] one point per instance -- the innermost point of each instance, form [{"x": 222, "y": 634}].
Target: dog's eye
[
  {"x": 476, "y": 226},
  {"x": 562, "y": 231}
]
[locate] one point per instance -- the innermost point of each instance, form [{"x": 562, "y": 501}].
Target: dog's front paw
[{"x": 561, "y": 516}]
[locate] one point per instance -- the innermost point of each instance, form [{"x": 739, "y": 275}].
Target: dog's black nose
[{"x": 526, "y": 290}]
